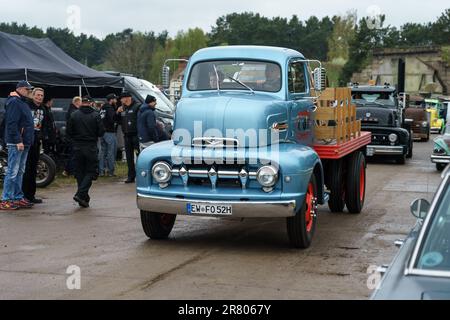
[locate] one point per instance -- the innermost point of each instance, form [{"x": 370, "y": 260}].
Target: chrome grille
[{"x": 214, "y": 176}]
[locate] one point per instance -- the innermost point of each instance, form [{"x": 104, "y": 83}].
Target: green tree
[{"x": 132, "y": 54}]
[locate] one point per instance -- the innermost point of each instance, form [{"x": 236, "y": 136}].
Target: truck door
[{"x": 301, "y": 106}]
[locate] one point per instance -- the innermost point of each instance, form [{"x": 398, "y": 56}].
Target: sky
[{"x": 100, "y": 18}]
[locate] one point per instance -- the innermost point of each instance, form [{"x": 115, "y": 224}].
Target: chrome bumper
[
  {"x": 435, "y": 129},
  {"x": 241, "y": 209},
  {"x": 384, "y": 150},
  {"x": 440, "y": 159}
]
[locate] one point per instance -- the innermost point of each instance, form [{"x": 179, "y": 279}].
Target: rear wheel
[
  {"x": 157, "y": 226},
  {"x": 355, "y": 192},
  {"x": 301, "y": 228},
  {"x": 336, "y": 203},
  {"x": 440, "y": 166}
]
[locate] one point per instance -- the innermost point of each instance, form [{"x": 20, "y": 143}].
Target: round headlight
[
  {"x": 162, "y": 172},
  {"x": 267, "y": 176},
  {"x": 393, "y": 137},
  {"x": 424, "y": 124}
]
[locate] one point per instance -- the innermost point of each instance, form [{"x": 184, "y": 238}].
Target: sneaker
[
  {"x": 8, "y": 206},
  {"x": 37, "y": 201},
  {"x": 23, "y": 204},
  {"x": 81, "y": 202},
  {"x": 112, "y": 175},
  {"x": 65, "y": 173}
]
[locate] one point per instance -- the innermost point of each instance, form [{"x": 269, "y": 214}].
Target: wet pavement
[{"x": 206, "y": 258}]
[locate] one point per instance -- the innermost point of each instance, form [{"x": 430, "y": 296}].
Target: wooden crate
[{"x": 335, "y": 117}]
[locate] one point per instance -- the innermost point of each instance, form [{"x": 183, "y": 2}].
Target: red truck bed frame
[{"x": 338, "y": 151}]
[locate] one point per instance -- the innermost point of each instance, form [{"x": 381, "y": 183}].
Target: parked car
[
  {"x": 380, "y": 113},
  {"x": 415, "y": 110},
  {"x": 435, "y": 108},
  {"x": 441, "y": 151},
  {"x": 421, "y": 269}
]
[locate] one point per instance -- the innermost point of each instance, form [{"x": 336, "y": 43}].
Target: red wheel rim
[
  {"x": 362, "y": 183},
  {"x": 309, "y": 214}
]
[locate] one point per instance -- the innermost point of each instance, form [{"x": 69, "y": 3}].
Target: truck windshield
[
  {"x": 379, "y": 98},
  {"x": 435, "y": 254},
  {"x": 256, "y": 75}
]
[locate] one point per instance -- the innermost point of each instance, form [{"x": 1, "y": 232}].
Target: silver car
[{"x": 421, "y": 269}]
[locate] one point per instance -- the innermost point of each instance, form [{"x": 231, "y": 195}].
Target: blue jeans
[
  {"x": 12, "y": 186},
  {"x": 107, "y": 154}
]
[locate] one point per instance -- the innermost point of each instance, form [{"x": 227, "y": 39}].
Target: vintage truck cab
[
  {"x": 242, "y": 145},
  {"x": 378, "y": 108}
]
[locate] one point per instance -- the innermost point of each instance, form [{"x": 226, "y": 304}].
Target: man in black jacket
[
  {"x": 84, "y": 128},
  {"x": 69, "y": 167},
  {"x": 40, "y": 125},
  {"x": 148, "y": 129},
  {"x": 127, "y": 114},
  {"x": 49, "y": 130},
  {"x": 107, "y": 155}
]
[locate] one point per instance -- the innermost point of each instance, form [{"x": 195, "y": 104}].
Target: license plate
[{"x": 209, "y": 209}]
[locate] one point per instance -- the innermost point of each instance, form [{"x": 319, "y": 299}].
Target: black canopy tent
[{"x": 41, "y": 62}]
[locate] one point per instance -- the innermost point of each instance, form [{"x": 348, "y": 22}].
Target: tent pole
[
  {"x": 79, "y": 91},
  {"x": 26, "y": 74}
]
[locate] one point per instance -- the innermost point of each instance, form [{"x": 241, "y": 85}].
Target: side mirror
[
  {"x": 166, "y": 77},
  {"x": 320, "y": 77},
  {"x": 420, "y": 208}
]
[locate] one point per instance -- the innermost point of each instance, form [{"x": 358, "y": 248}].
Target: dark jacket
[
  {"x": 19, "y": 126},
  {"x": 147, "y": 128},
  {"x": 49, "y": 130},
  {"x": 128, "y": 119},
  {"x": 71, "y": 110},
  {"x": 109, "y": 117},
  {"x": 85, "y": 126}
]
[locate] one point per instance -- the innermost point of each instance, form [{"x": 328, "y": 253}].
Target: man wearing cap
[
  {"x": 128, "y": 117},
  {"x": 19, "y": 136},
  {"x": 108, "y": 150},
  {"x": 147, "y": 127},
  {"x": 84, "y": 127}
]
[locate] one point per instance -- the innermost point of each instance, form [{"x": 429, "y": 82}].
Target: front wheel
[
  {"x": 301, "y": 228},
  {"x": 157, "y": 226},
  {"x": 46, "y": 171},
  {"x": 400, "y": 159},
  {"x": 356, "y": 182},
  {"x": 410, "y": 150}
]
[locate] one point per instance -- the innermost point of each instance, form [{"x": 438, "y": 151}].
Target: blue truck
[{"x": 243, "y": 146}]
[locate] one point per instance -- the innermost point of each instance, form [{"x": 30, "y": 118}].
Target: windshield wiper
[{"x": 241, "y": 83}]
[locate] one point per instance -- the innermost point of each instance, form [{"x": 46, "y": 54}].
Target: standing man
[
  {"x": 69, "y": 168},
  {"x": 29, "y": 178},
  {"x": 147, "y": 127},
  {"x": 84, "y": 128},
  {"x": 49, "y": 132},
  {"x": 19, "y": 137},
  {"x": 108, "y": 142},
  {"x": 128, "y": 115}
]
